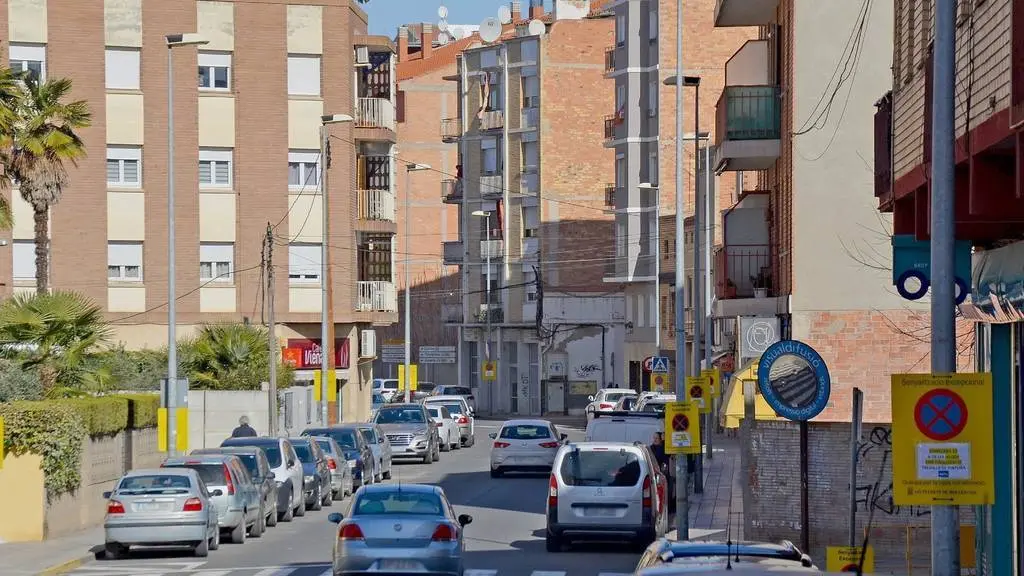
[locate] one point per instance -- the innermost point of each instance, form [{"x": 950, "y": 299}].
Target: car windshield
[
  {"x": 344, "y": 437},
  {"x": 212, "y": 474},
  {"x": 614, "y": 396},
  {"x": 400, "y": 416},
  {"x": 658, "y": 407},
  {"x": 600, "y": 468},
  {"x": 383, "y": 503},
  {"x": 369, "y": 435},
  {"x": 155, "y": 484},
  {"x": 458, "y": 391},
  {"x": 303, "y": 451},
  {"x": 525, "y": 432},
  {"x": 424, "y": 386}
]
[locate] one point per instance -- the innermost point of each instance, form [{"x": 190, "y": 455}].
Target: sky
[{"x": 387, "y": 15}]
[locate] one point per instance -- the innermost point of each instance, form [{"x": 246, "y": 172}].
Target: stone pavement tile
[{"x": 54, "y": 556}]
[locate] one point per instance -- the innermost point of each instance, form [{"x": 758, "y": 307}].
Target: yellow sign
[
  {"x": 411, "y": 381},
  {"x": 682, "y": 428},
  {"x": 1, "y": 443},
  {"x": 847, "y": 558},
  {"x": 714, "y": 377},
  {"x": 318, "y": 387},
  {"x": 697, "y": 392},
  {"x": 489, "y": 371},
  {"x": 968, "y": 548},
  {"x": 659, "y": 382},
  {"x": 181, "y": 429},
  {"x": 942, "y": 439},
  {"x": 161, "y": 429}
]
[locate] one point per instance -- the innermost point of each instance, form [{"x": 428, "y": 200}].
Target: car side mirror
[
  {"x": 335, "y": 517},
  {"x": 291, "y": 463},
  {"x": 465, "y": 519},
  {"x": 216, "y": 492},
  {"x": 590, "y": 398},
  {"x": 492, "y": 435},
  {"x": 563, "y": 437},
  {"x": 805, "y": 561},
  {"x": 106, "y": 495},
  {"x": 380, "y": 440}
]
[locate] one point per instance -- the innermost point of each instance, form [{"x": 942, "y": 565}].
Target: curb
[{"x": 65, "y": 567}]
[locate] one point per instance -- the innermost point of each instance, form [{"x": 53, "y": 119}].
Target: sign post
[
  {"x": 682, "y": 429},
  {"x": 714, "y": 377}
]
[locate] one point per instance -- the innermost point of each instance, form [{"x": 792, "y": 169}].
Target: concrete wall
[{"x": 213, "y": 414}]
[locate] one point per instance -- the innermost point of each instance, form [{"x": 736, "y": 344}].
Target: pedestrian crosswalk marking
[
  {"x": 475, "y": 572},
  {"x": 547, "y": 573}
]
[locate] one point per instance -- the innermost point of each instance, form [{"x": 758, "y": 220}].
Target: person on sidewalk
[
  {"x": 244, "y": 430},
  {"x": 658, "y": 449}
]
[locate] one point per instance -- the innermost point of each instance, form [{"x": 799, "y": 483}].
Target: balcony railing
[
  {"x": 451, "y": 190},
  {"x": 495, "y": 311},
  {"x": 749, "y": 113},
  {"x": 531, "y": 248},
  {"x": 609, "y": 59},
  {"x": 883, "y": 149},
  {"x": 492, "y": 249},
  {"x": 376, "y": 205},
  {"x": 609, "y": 126},
  {"x": 453, "y": 252},
  {"x": 492, "y": 120},
  {"x": 451, "y": 129},
  {"x": 375, "y": 113},
  {"x": 609, "y": 195},
  {"x": 529, "y": 118},
  {"x": 451, "y": 313},
  {"x": 492, "y": 185},
  {"x": 376, "y": 296},
  {"x": 743, "y": 271}
]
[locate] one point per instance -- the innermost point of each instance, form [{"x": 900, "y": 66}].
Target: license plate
[
  {"x": 398, "y": 565},
  {"x": 601, "y": 512},
  {"x": 151, "y": 506}
]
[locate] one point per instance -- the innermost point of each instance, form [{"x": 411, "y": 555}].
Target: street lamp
[
  {"x": 486, "y": 215},
  {"x": 170, "y": 397},
  {"x": 327, "y": 318},
  {"x": 409, "y": 169},
  {"x": 657, "y": 264}
]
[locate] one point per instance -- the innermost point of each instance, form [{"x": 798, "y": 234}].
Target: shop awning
[{"x": 733, "y": 412}]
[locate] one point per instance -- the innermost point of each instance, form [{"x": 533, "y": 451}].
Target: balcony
[
  {"x": 529, "y": 183},
  {"x": 492, "y": 120},
  {"x": 451, "y": 191},
  {"x": 451, "y": 313},
  {"x": 610, "y": 122},
  {"x": 378, "y": 205},
  {"x": 375, "y": 113},
  {"x": 743, "y": 271},
  {"x": 492, "y": 186},
  {"x": 609, "y": 195},
  {"x": 451, "y": 129},
  {"x": 884, "y": 152},
  {"x": 453, "y": 253},
  {"x": 492, "y": 249},
  {"x": 529, "y": 118},
  {"x": 748, "y": 128},
  {"x": 745, "y": 12},
  {"x": 609, "y": 59},
  {"x": 531, "y": 249},
  {"x": 490, "y": 312},
  {"x": 376, "y": 296}
]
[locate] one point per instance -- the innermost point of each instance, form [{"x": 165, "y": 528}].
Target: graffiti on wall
[
  {"x": 878, "y": 495},
  {"x": 585, "y": 370}
]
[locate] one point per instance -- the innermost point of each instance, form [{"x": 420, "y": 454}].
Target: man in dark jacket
[{"x": 244, "y": 430}]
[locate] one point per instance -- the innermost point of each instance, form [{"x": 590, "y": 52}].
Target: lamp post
[
  {"x": 409, "y": 169},
  {"x": 657, "y": 265},
  {"x": 170, "y": 396},
  {"x": 487, "y": 339},
  {"x": 326, "y": 311}
]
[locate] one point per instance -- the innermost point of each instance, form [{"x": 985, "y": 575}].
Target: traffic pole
[{"x": 682, "y": 477}]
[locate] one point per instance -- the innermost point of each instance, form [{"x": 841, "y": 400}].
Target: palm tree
[
  {"x": 54, "y": 333},
  {"x": 228, "y": 356},
  {"x": 11, "y": 92},
  {"x": 35, "y": 148}
]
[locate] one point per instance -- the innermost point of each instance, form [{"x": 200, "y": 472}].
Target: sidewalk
[
  {"x": 721, "y": 504},
  {"x": 54, "y": 556}
]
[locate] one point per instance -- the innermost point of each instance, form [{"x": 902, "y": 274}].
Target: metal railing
[
  {"x": 748, "y": 113},
  {"x": 376, "y": 296},
  {"x": 375, "y": 113},
  {"x": 609, "y": 126},
  {"x": 376, "y": 205},
  {"x": 451, "y": 313},
  {"x": 451, "y": 128},
  {"x": 495, "y": 311},
  {"x": 492, "y": 119},
  {"x": 451, "y": 189},
  {"x": 609, "y": 195},
  {"x": 743, "y": 271},
  {"x": 609, "y": 59},
  {"x": 492, "y": 185},
  {"x": 492, "y": 249}
]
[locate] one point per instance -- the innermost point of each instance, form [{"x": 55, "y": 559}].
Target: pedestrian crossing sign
[
  {"x": 489, "y": 371},
  {"x": 659, "y": 365}
]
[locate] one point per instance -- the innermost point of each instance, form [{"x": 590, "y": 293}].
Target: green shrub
[
  {"x": 101, "y": 415},
  {"x": 142, "y": 410},
  {"x": 17, "y": 383},
  {"x": 54, "y": 430}
]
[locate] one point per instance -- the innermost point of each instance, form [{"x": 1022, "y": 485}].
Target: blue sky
[{"x": 387, "y": 15}]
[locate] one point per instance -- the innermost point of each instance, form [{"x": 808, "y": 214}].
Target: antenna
[
  {"x": 442, "y": 25},
  {"x": 536, "y": 28},
  {"x": 442, "y": 12},
  {"x": 490, "y": 30},
  {"x": 504, "y": 14},
  {"x": 444, "y": 38}
]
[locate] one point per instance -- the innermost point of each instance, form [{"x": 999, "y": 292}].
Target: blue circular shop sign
[{"x": 794, "y": 380}]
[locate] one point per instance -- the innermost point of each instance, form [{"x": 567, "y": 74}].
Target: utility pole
[
  {"x": 698, "y": 280},
  {"x": 710, "y": 217},
  {"x": 945, "y": 519},
  {"x": 682, "y": 479},
  {"x": 327, "y": 292},
  {"x": 271, "y": 331}
]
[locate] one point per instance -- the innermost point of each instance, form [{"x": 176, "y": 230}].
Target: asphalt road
[{"x": 506, "y": 537}]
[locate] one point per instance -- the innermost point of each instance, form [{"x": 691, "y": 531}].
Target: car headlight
[{"x": 309, "y": 478}]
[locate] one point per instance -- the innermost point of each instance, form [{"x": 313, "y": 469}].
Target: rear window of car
[
  {"x": 212, "y": 474},
  {"x": 525, "y": 432},
  {"x": 392, "y": 385},
  {"x": 435, "y": 411},
  {"x": 303, "y": 451},
  {"x": 384, "y": 503},
  {"x": 325, "y": 445},
  {"x": 157, "y": 483},
  {"x": 344, "y": 437},
  {"x": 458, "y": 391},
  {"x": 614, "y": 396},
  {"x": 658, "y": 407},
  {"x": 273, "y": 451},
  {"x": 250, "y": 464},
  {"x": 454, "y": 408},
  {"x": 609, "y": 468}
]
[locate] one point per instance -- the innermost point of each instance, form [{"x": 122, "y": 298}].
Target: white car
[
  {"x": 447, "y": 427},
  {"x": 654, "y": 404},
  {"x": 524, "y": 446},
  {"x": 605, "y": 399}
]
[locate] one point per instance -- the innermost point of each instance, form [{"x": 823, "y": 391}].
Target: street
[{"x": 506, "y": 537}]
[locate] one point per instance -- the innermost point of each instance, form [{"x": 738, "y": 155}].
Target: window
[
  {"x": 652, "y": 98},
  {"x": 489, "y": 156},
  {"x": 303, "y": 169},
  {"x": 529, "y": 51},
  {"x": 24, "y": 256},
  {"x": 491, "y": 88},
  {"x": 531, "y": 91},
  {"x": 652, "y": 167},
  {"x": 124, "y": 261},
  {"x": 530, "y": 280},
  {"x": 600, "y": 468},
  {"x": 123, "y": 68},
  {"x": 531, "y": 155},
  {"x": 124, "y": 166},
  {"x": 215, "y": 168},
  {"x": 652, "y": 22},
  {"x": 29, "y": 58},
  {"x": 620, "y": 30},
  {"x": 214, "y": 70},
  {"x": 620, "y": 237},
  {"x": 620, "y": 97},
  {"x": 216, "y": 262},
  {"x": 489, "y": 59},
  {"x": 398, "y": 503},
  {"x": 304, "y": 263},
  {"x": 531, "y": 221},
  {"x": 304, "y": 75},
  {"x": 620, "y": 171}
]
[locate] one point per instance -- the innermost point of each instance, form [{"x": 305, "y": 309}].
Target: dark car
[
  {"x": 423, "y": 389},
  {"x": 316, "y": 474},
  {"x": 255, "y": 460},
  {"x": 357, "y": 451}
]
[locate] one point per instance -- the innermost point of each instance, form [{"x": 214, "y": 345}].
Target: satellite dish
[
  {"x": 490, "y": 30},
  {"x": 442, "y": 12},
  {"x": 444, "y": 38},
  {"x": 504, "y": 14},
  {"x": 442, "y": 26},
  {"x": 536, "y": 28}
]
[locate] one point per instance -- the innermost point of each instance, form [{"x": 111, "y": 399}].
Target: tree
[
  {"x": 10, "y": 95},
  {"x": 38, "y": 143},
  {"x": 230, "y": 357},
  {"x": 52, "y": 333}
]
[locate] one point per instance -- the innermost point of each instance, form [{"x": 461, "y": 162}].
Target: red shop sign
[{"x": 305, "y": 353}]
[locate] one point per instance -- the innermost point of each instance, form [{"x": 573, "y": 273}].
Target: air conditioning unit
[
  {"x": 362, "y": 55},
  {"x": 368, "y": 344}
]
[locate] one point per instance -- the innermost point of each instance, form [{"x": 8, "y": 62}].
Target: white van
[{"x": 625, "y": 427}]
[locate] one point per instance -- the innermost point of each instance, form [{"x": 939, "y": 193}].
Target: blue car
[
  {"x": 377, "y": 402},
  {"x": 357, "y": 452}
]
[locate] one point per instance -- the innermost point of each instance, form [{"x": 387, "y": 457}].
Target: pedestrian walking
[{"x": 244, "y": 430}]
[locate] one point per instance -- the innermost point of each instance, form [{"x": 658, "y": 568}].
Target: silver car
[
  {"x": 524, "y": 446},
  {"x": 238, "y": 504},
  {"x": 341, "y": 474},
  {"x": 411, "y": 432},
  {"x": 395, "y": 529},
  {"x": 463, "y": 412},
  {"x": 463, "y": 391},
  {"x": 380, "y": 446},
  {"x": 170, "y": 507}
]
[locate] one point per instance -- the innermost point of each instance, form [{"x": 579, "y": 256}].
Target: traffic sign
[
  {"x": 411, "y": 380},
  {"x": 847, "y": 559},
  {"x": 648, "y": 363},
  {"x": 942, "y": 440},
  {"x": 489, "y": 371},
  {"x": 697, "y": 392},
  {"x": 682, "y": 428},
  {"x": 714, "y": 378},
  {"x": 392, "y": 353},
  {"x": 436, "y": 355},
  {"x": 659, "y": 382},
  {"x": 659, "y": 365},
  {"x": 794, "y": 380}
]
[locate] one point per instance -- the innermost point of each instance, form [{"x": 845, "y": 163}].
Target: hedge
[
  {"x": 54, "y": 430},
  {"x": 142, "y": 410}
]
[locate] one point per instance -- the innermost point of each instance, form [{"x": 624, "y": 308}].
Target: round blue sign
[{"x": 794, "y": 380}]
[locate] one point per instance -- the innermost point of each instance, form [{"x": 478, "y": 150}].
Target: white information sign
[
  {"x": 392, "y": 353},
  {"x": 437, "y": 355},
  {"x": 946, "y": 461}
]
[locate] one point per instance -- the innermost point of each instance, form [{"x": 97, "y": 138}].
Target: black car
[
  {"x": 255, "y": 460},
  {"x": 316, "y": 474},
  {"x": 357, "y": 452}
]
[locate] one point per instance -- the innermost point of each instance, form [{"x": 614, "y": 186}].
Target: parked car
[
  {"x": 316, "y": 474},
  {"x": 626, "y": 403},
  {"x": 380, "y": 446},
  {"x": 408, "y": 427},
  {"x": 654, "y": 404},
  {"x": 287, "y": 473},
  {"x": 358, "y": 454},
  {"x": 524, "y": 446},
  {"x": 423, "y": 389},
  {"x": 341, "y": 473},
  {"x": 255, "y": 460},
  {"x": 376, "y": 402},
  {"x": 684, "y": 555},
  {"x": 399, "y": 528},
  {"x": 447, "y": 427},
  {"x": 450, "y": 390},
  {"x": 388, "y": 388},
  {"x": 158, "y": 507},
  {"x": 461, "y": 409},
  {"x": 239, "y": 510},
  {"x": 605, "y": 399}
]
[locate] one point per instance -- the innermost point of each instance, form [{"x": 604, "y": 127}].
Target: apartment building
[
  {"x": 640, "y": 128},
  {"x": 247, "y": 139}
]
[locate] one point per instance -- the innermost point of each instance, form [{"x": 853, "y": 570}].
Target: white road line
[
  {"x": 276, "y": 571},
  {"x": 614, "y": 574},
  {"x": 547, "y": 573},
  {"x": 211, "y": 572},
  {"x": 475, "y": 572}
]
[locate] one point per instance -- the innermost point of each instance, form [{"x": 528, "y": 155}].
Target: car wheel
[
  {"x": 114, "y": 551},
  {"x": 272, "y": 517},
  {"x": 238, "y": 532},
  {"x": 496, "y": 473},
  {"x": 387, "y": 473},
  {"x": 444, "y": 446},
  {"x": 202, "y": 550},
  {"x": 318, "y": 498},
  {"x": 215, "y": 541},
  {"x": 428, "y": 458},
  {"x": 257, "y": 528},
  {"x": 300, "y": 510},
  {"x": 552, "y": 543},
  {"x": 289, "y": 513}
]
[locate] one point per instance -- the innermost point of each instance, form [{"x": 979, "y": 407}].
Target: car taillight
[
  {"x": 463, "y": 420},
  {"x": 227, "y": 480},
  {"x": 332, "y": 464},
  {"x": 439, "y": 424},
  {"x": 350, "y": 532},
  {"x": 647, "y": 492},
  {"x": 549, "y": 444},
  {"x": 553, "y": 491},
  {"x": 501, "y": 444},
  {"x": 662, "y": 497},
  {"x": 443, "y": 533},
  {"x": 115, "y": 507},
  {"x": 606, "y": 405},
  {"x": 193, "y": 505}
]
